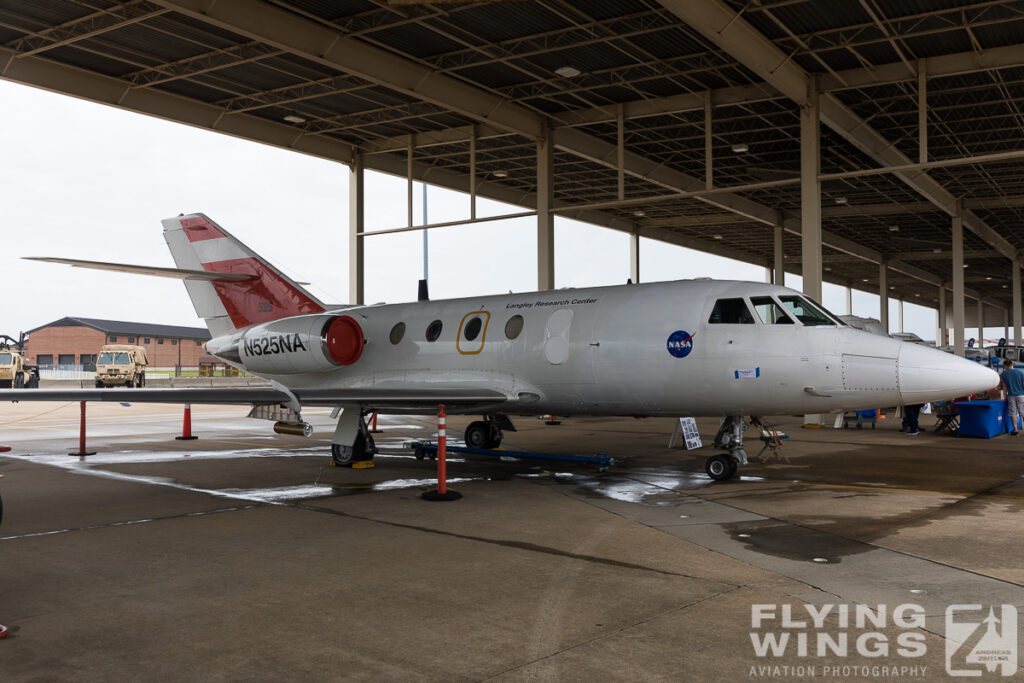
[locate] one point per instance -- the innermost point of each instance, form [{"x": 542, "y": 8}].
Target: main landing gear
[
  {"x": 484, "y": 433},
  {"x": 730, "y": 437},
  {"x": 352, "y": 441}
]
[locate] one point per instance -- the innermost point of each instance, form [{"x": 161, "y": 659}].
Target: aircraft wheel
[
  {"x": 720, "y": 467},
  {"x": 344, "y": 456},
  {"x": 495, "y": 440},
  {"x": 478, "y": 435}
]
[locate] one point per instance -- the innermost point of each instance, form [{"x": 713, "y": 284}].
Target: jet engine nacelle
[{"x": 301, "y": 344}]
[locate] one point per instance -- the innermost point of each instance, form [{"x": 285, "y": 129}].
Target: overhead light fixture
[
  {"x": 1005, "y": 286},
  {"x": 894, "y": 228},
  {"x": 639, "y": 214},
  {"x": 917, "y": 295},
  {"x": 717, "y": 237},
  {"x": 864, "y": 279},
  {"x": 840, "y": 200},
  {"x": 294, "y": 118},
  {"x": 568, "y": 71},
  {"x": 892, "y": 286},
  {"x": 500, "y": 174},
  {"x": 936, "y": 250},
  {"x": 740, "y": 148},
  {"x": 965, "y": 265},
  {"x": 987, "y": 277},
  {"x": 828, "y": 268}
]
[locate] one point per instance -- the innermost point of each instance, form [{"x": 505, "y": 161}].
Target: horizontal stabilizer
[{"x": 176, "y": 273}]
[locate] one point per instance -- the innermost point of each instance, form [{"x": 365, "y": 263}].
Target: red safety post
[
  {"x": 552, "y": 421},
  {"x": 442, "y": 492},
  {"x": 81, "y": 435},
  {"x": 186, "y": 425},
  {"x": 373, "y": 424}
]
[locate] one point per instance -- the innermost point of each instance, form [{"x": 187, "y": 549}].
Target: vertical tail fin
[{"x": 197, "y": 243}]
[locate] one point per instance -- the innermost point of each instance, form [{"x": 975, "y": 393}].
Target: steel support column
[
  {"x": 356, "y": 211},
  {"x": 901, "y": 316},
  {"x": 634, "y": 257},
  {"x": 545, "y": 218},
  {"x": 981, "y": 322},
  {"x": 883, "y": 295},
  {"x": 942, "y": 337},
  {"x": 1016, "y": 304},
  {"x": 810, "y": 194},
  {"x": 958, "y": 285},
  {"x": 779, "y": 272},
  {"x": 849, "y": 300}
]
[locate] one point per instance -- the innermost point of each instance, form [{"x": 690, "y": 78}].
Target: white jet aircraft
[{"x": 671, "y": 349}]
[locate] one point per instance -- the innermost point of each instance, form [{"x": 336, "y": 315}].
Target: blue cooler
[{"x": 982, "y": 419}]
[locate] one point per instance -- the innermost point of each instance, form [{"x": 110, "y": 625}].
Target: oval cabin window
[
  {"x": 434, "y": 330},
  {"x": 397, "y": 332},
  {"x": 514, "y": 326},
  {"x": 472, "y": 329}
]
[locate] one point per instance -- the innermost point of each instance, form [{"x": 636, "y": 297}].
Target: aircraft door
[{"x": 472, "y": 333}]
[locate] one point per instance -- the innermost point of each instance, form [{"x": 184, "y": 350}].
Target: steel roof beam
[
  {"x": 754, "y": 50},
  {"x": 85, "y": 27},
  {"x": 323, "y": 45},
  {"x": 942, "y": 65},
  {"x": 50, "y": 75}
]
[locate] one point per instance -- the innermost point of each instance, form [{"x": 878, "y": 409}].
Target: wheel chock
[
  {"x": 3, "y": 630},
  {"x": 362, "y": 464},
  {"x": 4, "y": 449}
]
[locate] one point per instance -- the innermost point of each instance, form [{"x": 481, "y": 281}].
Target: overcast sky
[{"x": 83, "y": 180}]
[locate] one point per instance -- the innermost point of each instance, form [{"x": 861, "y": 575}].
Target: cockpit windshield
[
  {"x": 769, "y": 311},
  {"x": 807, "y": 312}
]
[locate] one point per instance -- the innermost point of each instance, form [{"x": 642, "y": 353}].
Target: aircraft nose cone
[{"x": 927, "y": 374}]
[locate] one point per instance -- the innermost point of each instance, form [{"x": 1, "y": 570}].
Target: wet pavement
[{"x": 248, "y": 555}]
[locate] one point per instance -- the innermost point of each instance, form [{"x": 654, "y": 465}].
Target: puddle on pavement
[{"x": 793, "y": 542}]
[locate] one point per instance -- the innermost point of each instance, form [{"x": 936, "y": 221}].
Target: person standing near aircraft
[
  {"x": 911, "y": 413},
  {"x": 1012, "y": 380}
]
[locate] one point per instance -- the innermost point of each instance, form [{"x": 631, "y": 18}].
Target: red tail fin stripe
[
  {"x": 198, "y": 228},
  {"x": 266, "y": 297}
]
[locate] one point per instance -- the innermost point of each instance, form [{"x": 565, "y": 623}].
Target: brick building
[{"x": 77, "y": 341}]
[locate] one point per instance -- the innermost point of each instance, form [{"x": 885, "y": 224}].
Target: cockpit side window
[
  {"x": 731, "y": 312},
  {"x": 769, "y": 311},
  {"x": 806, "y": 312}
]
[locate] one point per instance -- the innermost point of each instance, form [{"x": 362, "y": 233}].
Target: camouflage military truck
[
  {"x": 15, "y": 371},
  {"x": 121, "y": 365}
]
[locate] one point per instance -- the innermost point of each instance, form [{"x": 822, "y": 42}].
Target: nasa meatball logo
[{"x": 680, "y": 343}]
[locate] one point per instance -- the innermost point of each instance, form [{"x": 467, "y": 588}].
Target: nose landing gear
[{"x": 730, "y": 437}]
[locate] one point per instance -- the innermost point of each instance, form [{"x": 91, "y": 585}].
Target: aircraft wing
[{"x": 383, "y": 398}]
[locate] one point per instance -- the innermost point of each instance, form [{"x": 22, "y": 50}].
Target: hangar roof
[
  {"x": 336, "y": 79},
  {"x": 125, "y": 327}
]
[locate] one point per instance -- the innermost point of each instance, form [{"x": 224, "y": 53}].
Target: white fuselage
[{"x": 622, "y": 350}]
